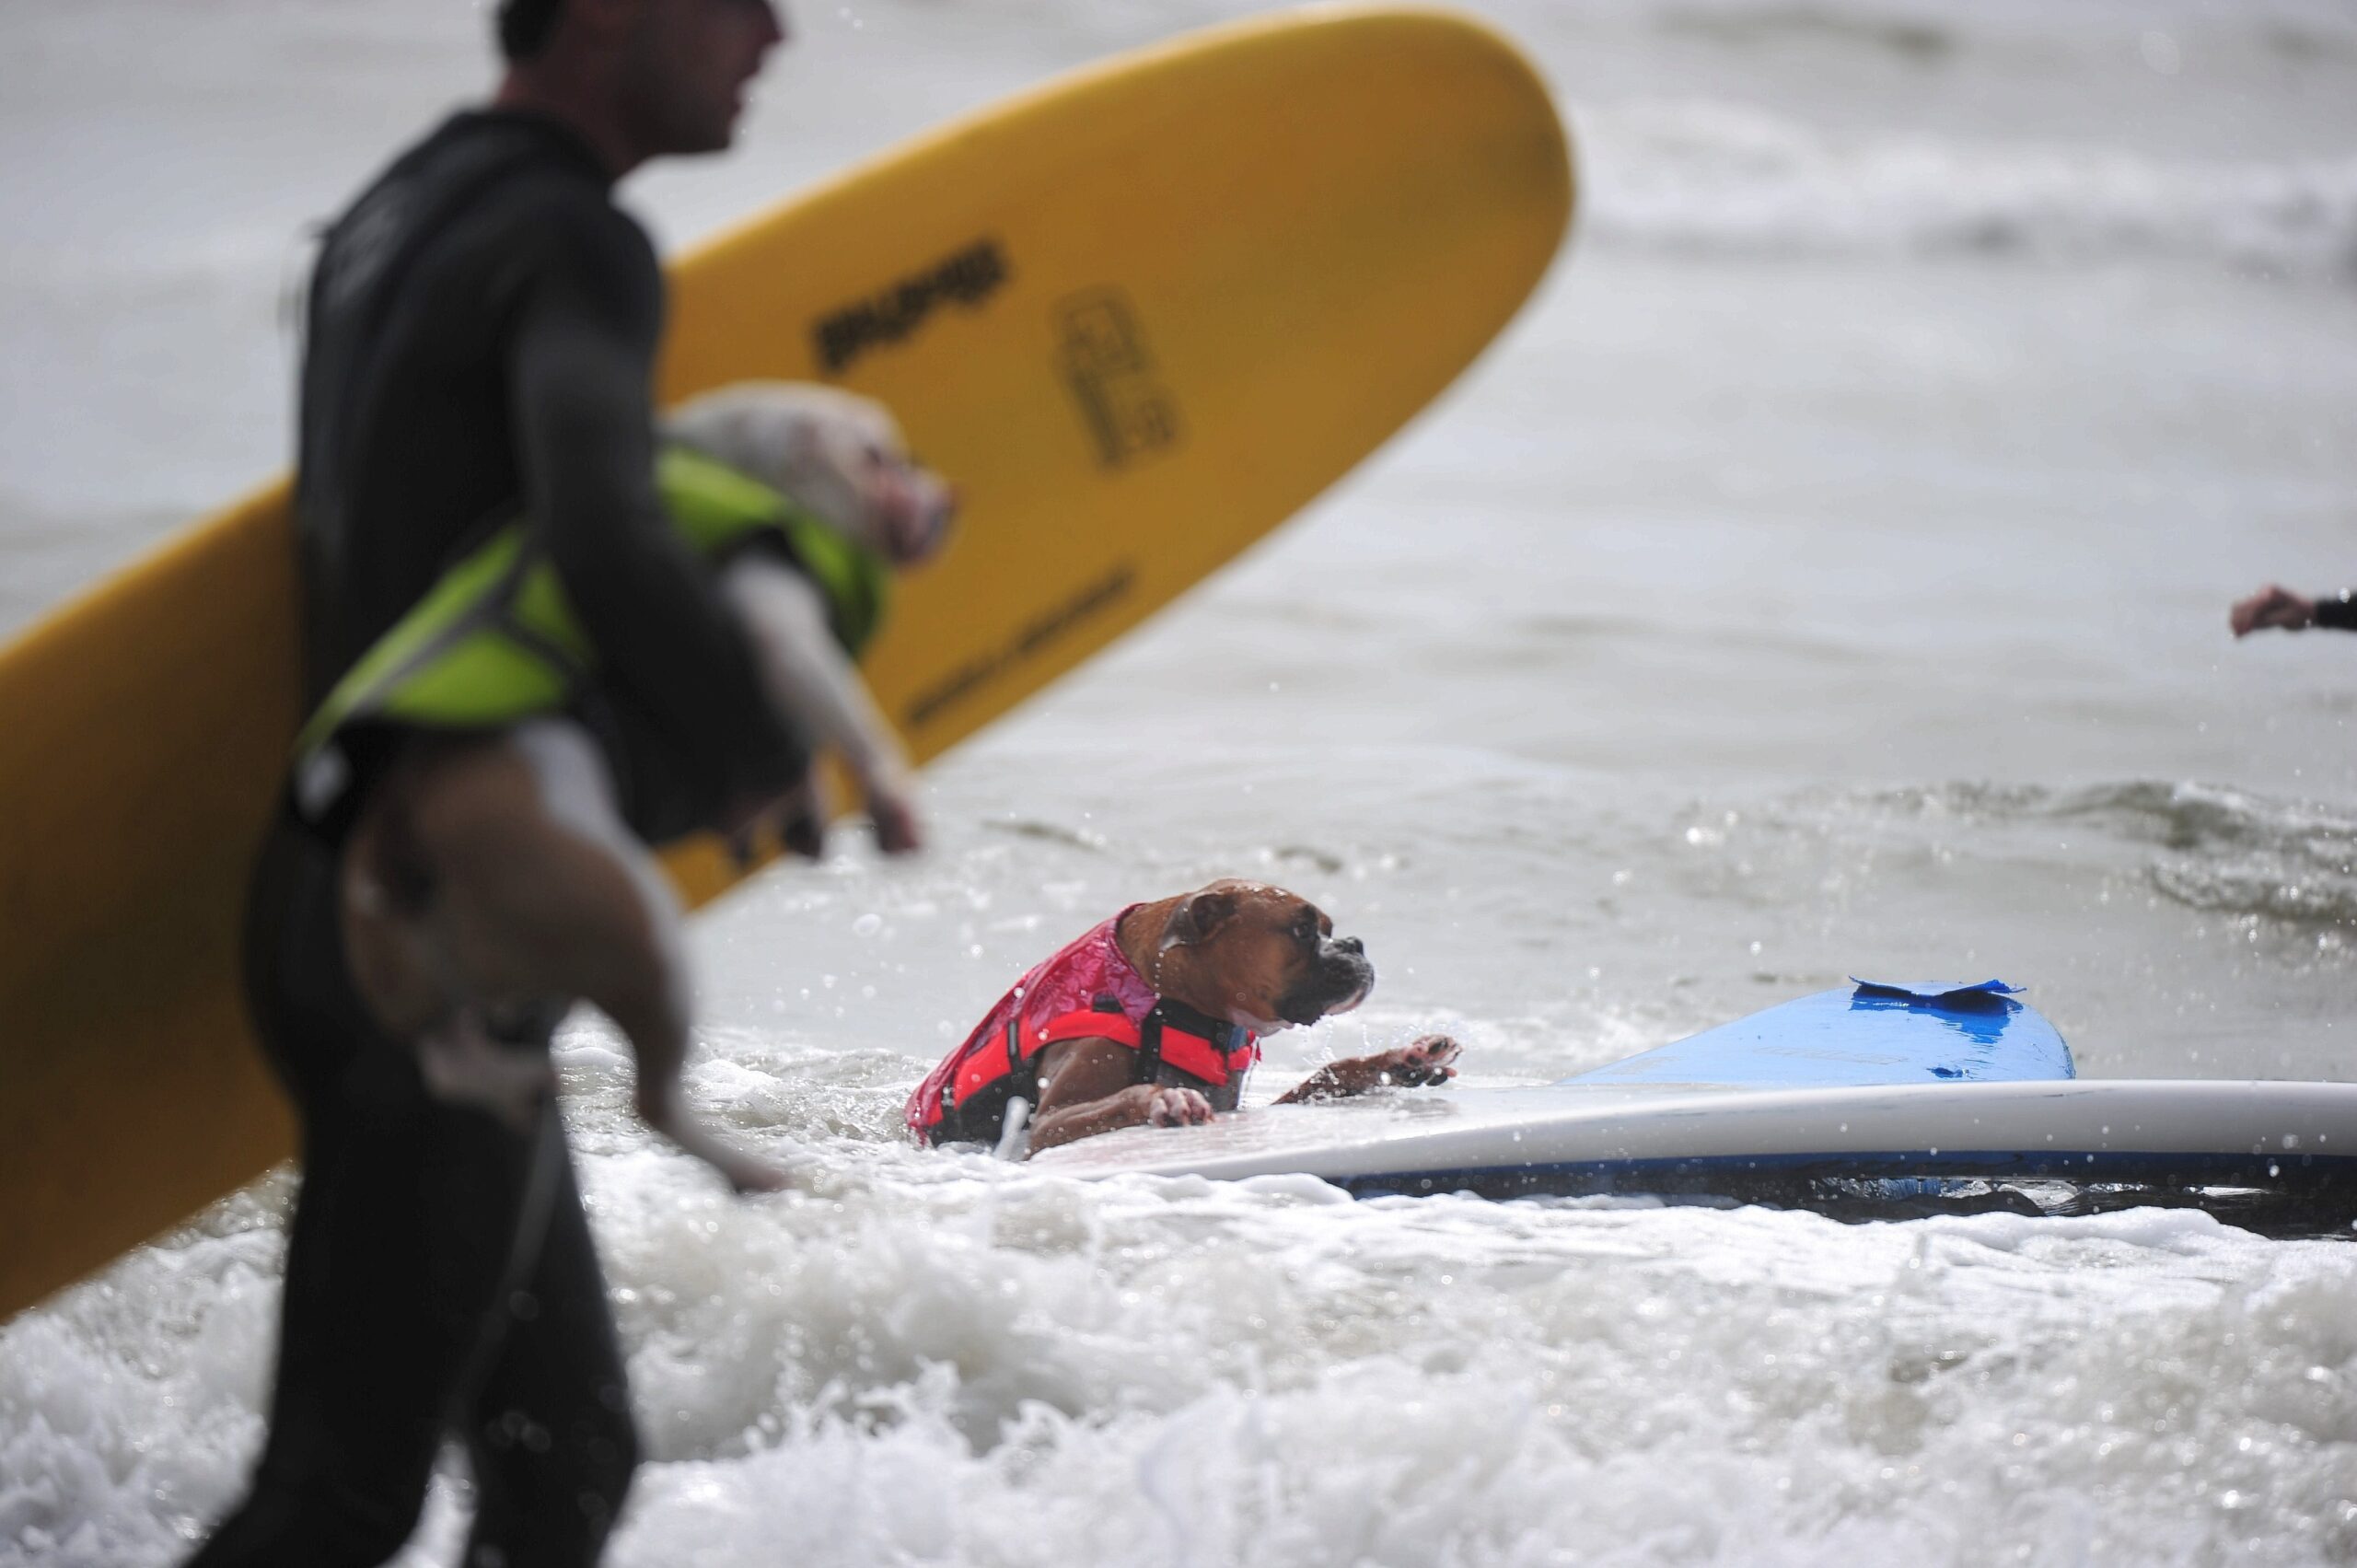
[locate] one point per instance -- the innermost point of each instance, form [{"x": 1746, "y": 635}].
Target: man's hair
[{"x": 524, "y": 27}]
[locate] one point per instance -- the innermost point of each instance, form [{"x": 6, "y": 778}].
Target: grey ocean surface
[{"x": 1827, "y": 575}]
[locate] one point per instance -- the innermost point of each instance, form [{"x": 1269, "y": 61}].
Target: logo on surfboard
[
  {"x": 1103, "y": 356},
  {"x": 967, "y": 278}
]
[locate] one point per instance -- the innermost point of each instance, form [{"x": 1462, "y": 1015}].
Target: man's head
[
  {"x": 643, "y": 79},
  {"x": 524, "y": 26},
  {"x": 1259, "y": 956}
]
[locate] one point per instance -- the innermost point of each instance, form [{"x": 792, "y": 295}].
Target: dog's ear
[{"x": 1198, "y": 916}]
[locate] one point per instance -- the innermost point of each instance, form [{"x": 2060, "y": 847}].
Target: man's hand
[{"x": 2272, "y": 606}]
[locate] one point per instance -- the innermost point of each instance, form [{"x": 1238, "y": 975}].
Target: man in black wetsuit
[{"x": 481, "y": 332}]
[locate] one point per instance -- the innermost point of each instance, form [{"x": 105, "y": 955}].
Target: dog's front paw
[
  {"x": 1165, "y": 1106},
  {"x": 803, "y": 831},
  {"x": 898, "y": 831},
  {"x": 1431, "y": 1060},
  {"x": 1427, "y": 1061},
  {"x": 746, "y": 1173},
  {"x": 660, "y": 1106}
]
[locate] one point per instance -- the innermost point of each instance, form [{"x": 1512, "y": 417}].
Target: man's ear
[{"x": 1198, "y": 917}]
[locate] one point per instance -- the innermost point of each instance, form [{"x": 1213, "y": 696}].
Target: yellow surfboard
[{"x": 1140, "y": 315}]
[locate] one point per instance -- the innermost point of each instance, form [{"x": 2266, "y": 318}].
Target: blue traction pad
[
  {"x": 1979, "y": 993},
  {"x": 1877, "y": 1033}
]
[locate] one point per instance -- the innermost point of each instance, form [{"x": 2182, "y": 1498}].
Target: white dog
[{"x": 491, "y": 878}]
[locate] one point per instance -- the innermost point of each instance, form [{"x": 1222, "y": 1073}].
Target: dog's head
[
  {"x": 838, "y": 456},
  {"x": 1260, "y": 956}
]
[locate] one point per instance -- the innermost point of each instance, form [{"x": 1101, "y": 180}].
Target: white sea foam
[
  {"x": 1729, "y": 177},
  {"x": 973, "y": 1365}
]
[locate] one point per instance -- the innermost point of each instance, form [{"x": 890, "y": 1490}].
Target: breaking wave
[
  {"x": 2218, "y": 850},
  {"x": 1718, "y": 177},
  {"x": 2229, "y": 852}
]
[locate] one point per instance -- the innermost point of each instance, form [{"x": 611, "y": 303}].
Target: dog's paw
[
  {"x": 746, "y": 1175},
  {"x": 1427, "y": 1061},
  {"x": 1431, "y": 1060},
  {"x": 897, "y": 828},
  {"x": 1177, "y": 1108},
  {"x": 803, "y": 832},
  {"x": 660, "y": 1106}
]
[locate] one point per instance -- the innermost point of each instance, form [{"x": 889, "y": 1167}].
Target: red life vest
[{"x": 1087, "y": 990}]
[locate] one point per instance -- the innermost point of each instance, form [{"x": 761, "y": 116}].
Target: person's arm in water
[
  {"x": 582, "y": 362},
  {"x": 2278, "y": 607}
]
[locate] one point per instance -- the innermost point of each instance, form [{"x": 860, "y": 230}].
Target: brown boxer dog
[{"x": 1246, "y": 952}]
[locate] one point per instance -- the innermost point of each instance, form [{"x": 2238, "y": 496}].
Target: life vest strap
[
  {"x": 1199, "y": 1047},
  {"x": 1171, "y": 1034}
]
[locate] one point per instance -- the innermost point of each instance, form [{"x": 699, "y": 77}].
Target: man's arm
[
  {"x": 581, "y": 364},
  {"x": 2278, "y": 607}
]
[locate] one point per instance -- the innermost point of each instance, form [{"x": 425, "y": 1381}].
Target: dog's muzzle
[{"x": 1337, "y": 981}]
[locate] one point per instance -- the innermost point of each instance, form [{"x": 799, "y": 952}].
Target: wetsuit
[
  {"x": 481, "y": 328},
  {"x": 2339, "y": 610}
]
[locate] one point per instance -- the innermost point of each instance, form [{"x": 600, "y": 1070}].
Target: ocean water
[{"x": 1827, "y": 575}]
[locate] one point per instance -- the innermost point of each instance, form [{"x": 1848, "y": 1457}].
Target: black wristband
[{"x": 2337, "y": 611}]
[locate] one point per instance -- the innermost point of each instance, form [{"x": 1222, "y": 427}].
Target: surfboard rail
[{"x": 1734, "y": 1118}]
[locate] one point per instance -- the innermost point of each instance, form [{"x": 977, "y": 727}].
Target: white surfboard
[{"x": 1875, "y": 1100}]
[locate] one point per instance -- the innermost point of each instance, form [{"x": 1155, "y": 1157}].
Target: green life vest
[{"x": 496, "y": 641}]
